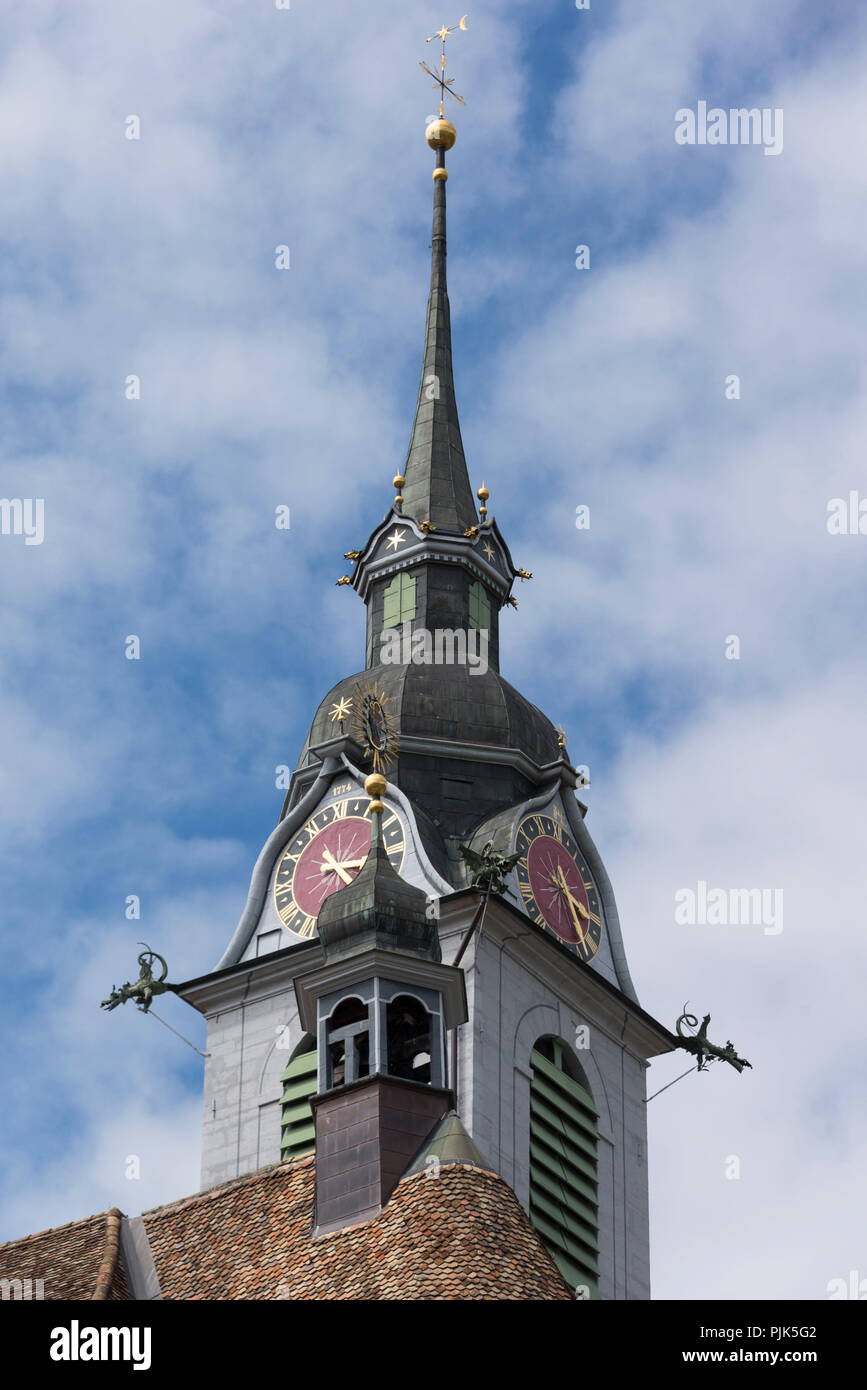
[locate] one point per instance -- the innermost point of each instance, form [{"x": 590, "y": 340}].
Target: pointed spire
[{"x": 437, "y": 484}]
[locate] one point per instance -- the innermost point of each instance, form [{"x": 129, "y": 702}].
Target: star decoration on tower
[
  {"x": 489, "y": 550},
  {"x": 396, "y": 538},
  {"x": 341, "y": 710}
]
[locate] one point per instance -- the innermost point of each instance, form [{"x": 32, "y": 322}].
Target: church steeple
[
  {"x": 357, "y": 911},
  {"x": 437, "y": 486}
]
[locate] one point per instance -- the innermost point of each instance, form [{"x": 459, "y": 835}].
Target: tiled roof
[
  {"x": 459, "y": 1235},
  {"x": 78, "y": 1261}
]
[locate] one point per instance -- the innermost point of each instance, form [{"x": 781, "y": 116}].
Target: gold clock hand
[
  {"x": 577, "y": 901},
  {"x": 574, "y": 903},
  {"x": 570, "y": 901},
  {"x": 330, "y": 866}
]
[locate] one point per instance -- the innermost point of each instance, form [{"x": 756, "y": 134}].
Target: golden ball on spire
[
  {"x": 483, "y": 493},
  {"x": 375, "y": 786},
  {"x": 440, "y": 174},
  {"x": 398, "y": 481},
  {"x": 441, "y": 134}
]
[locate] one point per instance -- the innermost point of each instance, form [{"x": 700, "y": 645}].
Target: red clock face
[
  {"x": 325, "y": 855},
  {"x": 557, "y": 889},
  {"x": 330, "y": 859}
]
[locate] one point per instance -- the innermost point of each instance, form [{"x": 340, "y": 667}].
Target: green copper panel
[
  {"x": 480, "y": 607},
  {"x": 399, "y": 601},
  {"x": 563, "y": 1170},
  {"x": 299, "y": 1084}
]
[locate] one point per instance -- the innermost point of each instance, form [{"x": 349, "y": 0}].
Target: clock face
[
  {"x": 325, "y": 855},
  {"x": 557, "y": 888}
]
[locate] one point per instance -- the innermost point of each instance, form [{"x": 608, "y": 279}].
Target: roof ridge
[
  {"x": 106, "y": 1272},
  {"x": 52, "y": 1230}
]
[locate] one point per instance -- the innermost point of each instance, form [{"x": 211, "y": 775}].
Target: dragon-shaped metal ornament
[
  {"x": 488, "y": 869},
  {"x": 145, "y": 987},
  {"x": 701, "y": 1047}
]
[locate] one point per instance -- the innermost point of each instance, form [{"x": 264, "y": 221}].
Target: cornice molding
[{"x": 338, "y": 975}]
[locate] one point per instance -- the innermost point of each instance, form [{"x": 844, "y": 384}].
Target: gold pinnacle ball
[
  {"x": 375, "y": 786},
  {"x": 398, "y": 481},
  {"x": 440, "y": 174},
  {"x": 440, "y": 135},
  {"x": 483, "y": 493}
]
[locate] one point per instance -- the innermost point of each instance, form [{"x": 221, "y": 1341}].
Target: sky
[{"x": 604, "y": 387}]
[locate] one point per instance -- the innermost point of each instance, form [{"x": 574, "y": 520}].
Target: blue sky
[{"x": 606, "y": 387}]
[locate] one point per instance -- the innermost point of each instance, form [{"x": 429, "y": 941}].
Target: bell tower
[
  {"x": 379, "y": 1006},
  {"x": 378, "y": 980}
]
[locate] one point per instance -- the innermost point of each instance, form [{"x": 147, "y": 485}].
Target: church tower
[{"x": 371, "y": 981}]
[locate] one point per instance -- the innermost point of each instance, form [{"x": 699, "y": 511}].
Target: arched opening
[
  {"x": 348, "y": 1043},
  {"x": 564, "y": 1137},
  {"x": 408, "y": 1032},
  {"x": 297, "y": 1134}
]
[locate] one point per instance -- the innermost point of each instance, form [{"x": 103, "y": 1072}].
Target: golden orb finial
[
  {"x": 483, "y": 494},
  {"x": 441, "y": 134},
  {"x": 398, "y": 483},
  {"x": 375, "y": 786}
]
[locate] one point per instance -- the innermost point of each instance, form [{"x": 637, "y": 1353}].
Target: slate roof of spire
[
  {"x": 460, "y": 1236},
  {"x": 437, "y": 484}
]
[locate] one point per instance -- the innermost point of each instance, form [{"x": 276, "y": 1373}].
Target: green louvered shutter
[
  {"x": 480, "y": 607},
  {"x": 299, "y": 1084},
  {"x": 563, "y": 1169},
  {"x": 399, "y": 601}
]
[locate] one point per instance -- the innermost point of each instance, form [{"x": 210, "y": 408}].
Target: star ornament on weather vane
[{"x": 444, "y": 83}]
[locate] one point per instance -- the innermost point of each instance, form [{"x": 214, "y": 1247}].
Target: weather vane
[{"x": 444, "y": 83}]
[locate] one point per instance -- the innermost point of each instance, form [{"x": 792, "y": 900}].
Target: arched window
[
  {"x": 480, "y": 607},
  {"x": 299, "y": 1084},
  {"x": 348, "y": 1043},
  {"x": 564, "y": 1136},
  {"x": 399, "y": 600},
  {"x": 408, "y": 1033}
]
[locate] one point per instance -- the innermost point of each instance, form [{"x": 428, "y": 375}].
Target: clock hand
[
  {"x": 570, "y": 903},
  {"x": 331, "y": 866},
  {"x": 573, "y": 903},
  {"x": 577, "y": 901}
]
